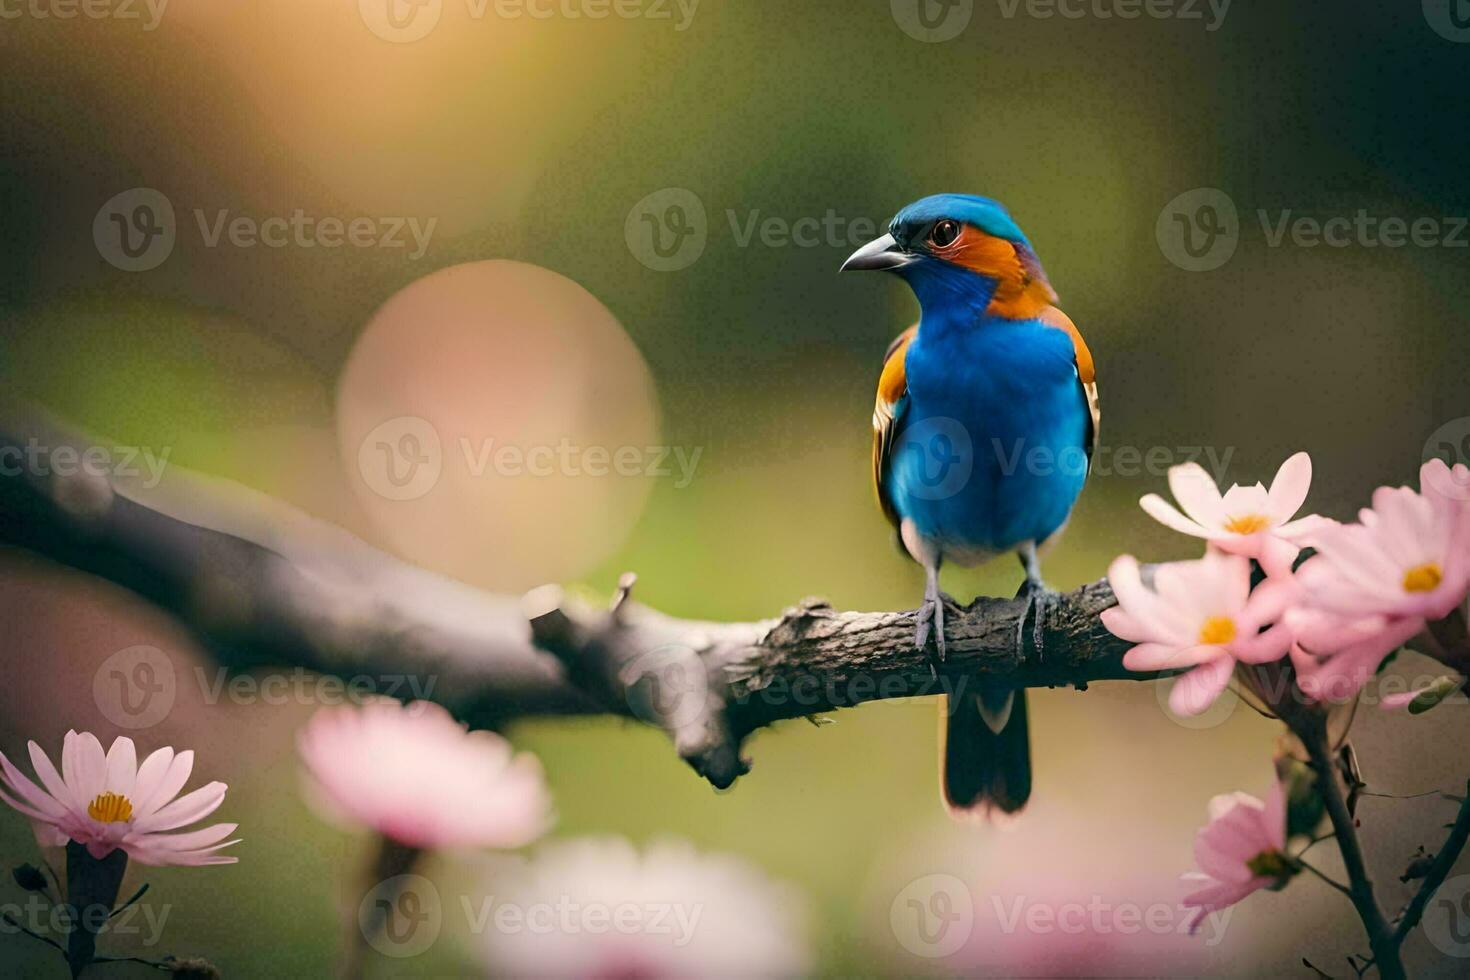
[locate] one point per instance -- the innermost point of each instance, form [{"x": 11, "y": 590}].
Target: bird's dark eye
[{"x": 944, "y": 233}]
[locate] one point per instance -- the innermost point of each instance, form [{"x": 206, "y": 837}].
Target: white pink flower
[
  {"x": 1240, "y": 851},
  {"x": 1408, "y": 557},
  {"x": 598, "y": 908},
  {"x": 1251, "y": 521},
  {"x": 1201, "y": 615},
  {"x": 1374, "y": 585},
  {"x": 414, "y": 774},
  {"x": 108, "y": 801}
]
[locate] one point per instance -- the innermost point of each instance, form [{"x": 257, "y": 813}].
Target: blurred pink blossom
[
  {"x": 1240, "y": 851},
  {"x": 1250, "y": 521},
  {"x": 1201, "y": 614},
  {"x": 597, "y": 908},
  {"x": 415, "y": 775},
  {"x": 107, "y": 801}
]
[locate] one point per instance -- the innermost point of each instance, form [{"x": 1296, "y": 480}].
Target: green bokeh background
[{"x": 532, "y": 140}]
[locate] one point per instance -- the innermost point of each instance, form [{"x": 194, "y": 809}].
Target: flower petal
[
  {"x": 122, "y": 766},
  {"x": 1166, "y": 514},
  {"x": 1198, "y": 689},
  {"x": 1197, "y": 494},
  {"x": 168, "y": 786},
  {"x": 1289, "y": 490},
  {"x": 183, "y": 811}
]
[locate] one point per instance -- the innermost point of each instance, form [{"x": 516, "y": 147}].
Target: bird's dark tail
[{"x": 985, "y": 752}]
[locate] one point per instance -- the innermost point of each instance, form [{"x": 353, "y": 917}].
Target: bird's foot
[
  {"x": 1037, "y": 597},
  {"x": 930, "y": 618}
]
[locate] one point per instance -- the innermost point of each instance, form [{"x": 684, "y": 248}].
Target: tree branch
[
  {"x": 261, "y": 585},
  {"x": 1443, "y": 862}
]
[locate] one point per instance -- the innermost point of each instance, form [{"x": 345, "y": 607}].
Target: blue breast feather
[{"x": 989, "y": 450}]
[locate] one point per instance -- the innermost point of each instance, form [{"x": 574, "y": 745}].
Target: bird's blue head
[{"x": 961, "y": 253}]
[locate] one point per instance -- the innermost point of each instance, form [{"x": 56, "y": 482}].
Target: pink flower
[
  {"x": 1372, "y": 586},
  {"x": 1250, "y": 521},
  {"x": 109, "y": 801},
  {"x": 1241, "y": 850},
  {"x": 1203, "y": 615},
  {"x": 414, "y": 774},
  {"x": 602, "y": 908},
  {"x": 1409, "y": 556}
]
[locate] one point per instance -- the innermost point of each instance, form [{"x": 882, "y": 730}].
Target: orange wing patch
[
  {"x": 892, "y": 386},
  {"x": 1054, "y": 317},
  {"x": 1086, "y": 370}
]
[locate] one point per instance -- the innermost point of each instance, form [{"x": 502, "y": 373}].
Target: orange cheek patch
[{"x": 1021, "y": 292}]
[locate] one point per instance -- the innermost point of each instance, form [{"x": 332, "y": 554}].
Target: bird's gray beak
[{"x": 880, "y": 253}]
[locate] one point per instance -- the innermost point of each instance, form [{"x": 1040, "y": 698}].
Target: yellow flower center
[
  {"x": 110, "y": 808},
  {"x": 1425, "y": 578},
  {"x": 1217, "y": 631},
  {"x": 1249, "y": 524}
]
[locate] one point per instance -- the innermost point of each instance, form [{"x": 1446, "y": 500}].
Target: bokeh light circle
[{"x": 543, "y": 416}]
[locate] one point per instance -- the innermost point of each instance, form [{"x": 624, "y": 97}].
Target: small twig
[
  {"x": 155, "y": 964},
  {"x": 1331, "y": 881},
  {"x": 124, "y": 906},
  {"x": 1438, "y": 871},
  {"x": 1314, "y": 842},
  {"x": 34, "y": 935}
]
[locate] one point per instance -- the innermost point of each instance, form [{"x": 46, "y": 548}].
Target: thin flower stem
[
  {"x": 1360, "y": 887},
  {"x": 155, "y": 964},
  {"x": 34, "y": 935},
  {"x": 1313, "y": 843},
  {"x": 1443, "y": 862},
  {"x": 1331, "y": 881}
]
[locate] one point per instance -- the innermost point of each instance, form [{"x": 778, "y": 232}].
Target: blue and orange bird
[{"x": 983, "y": 432}]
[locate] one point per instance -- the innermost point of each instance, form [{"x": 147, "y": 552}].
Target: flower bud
[{"x": 30, "y": 877}]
